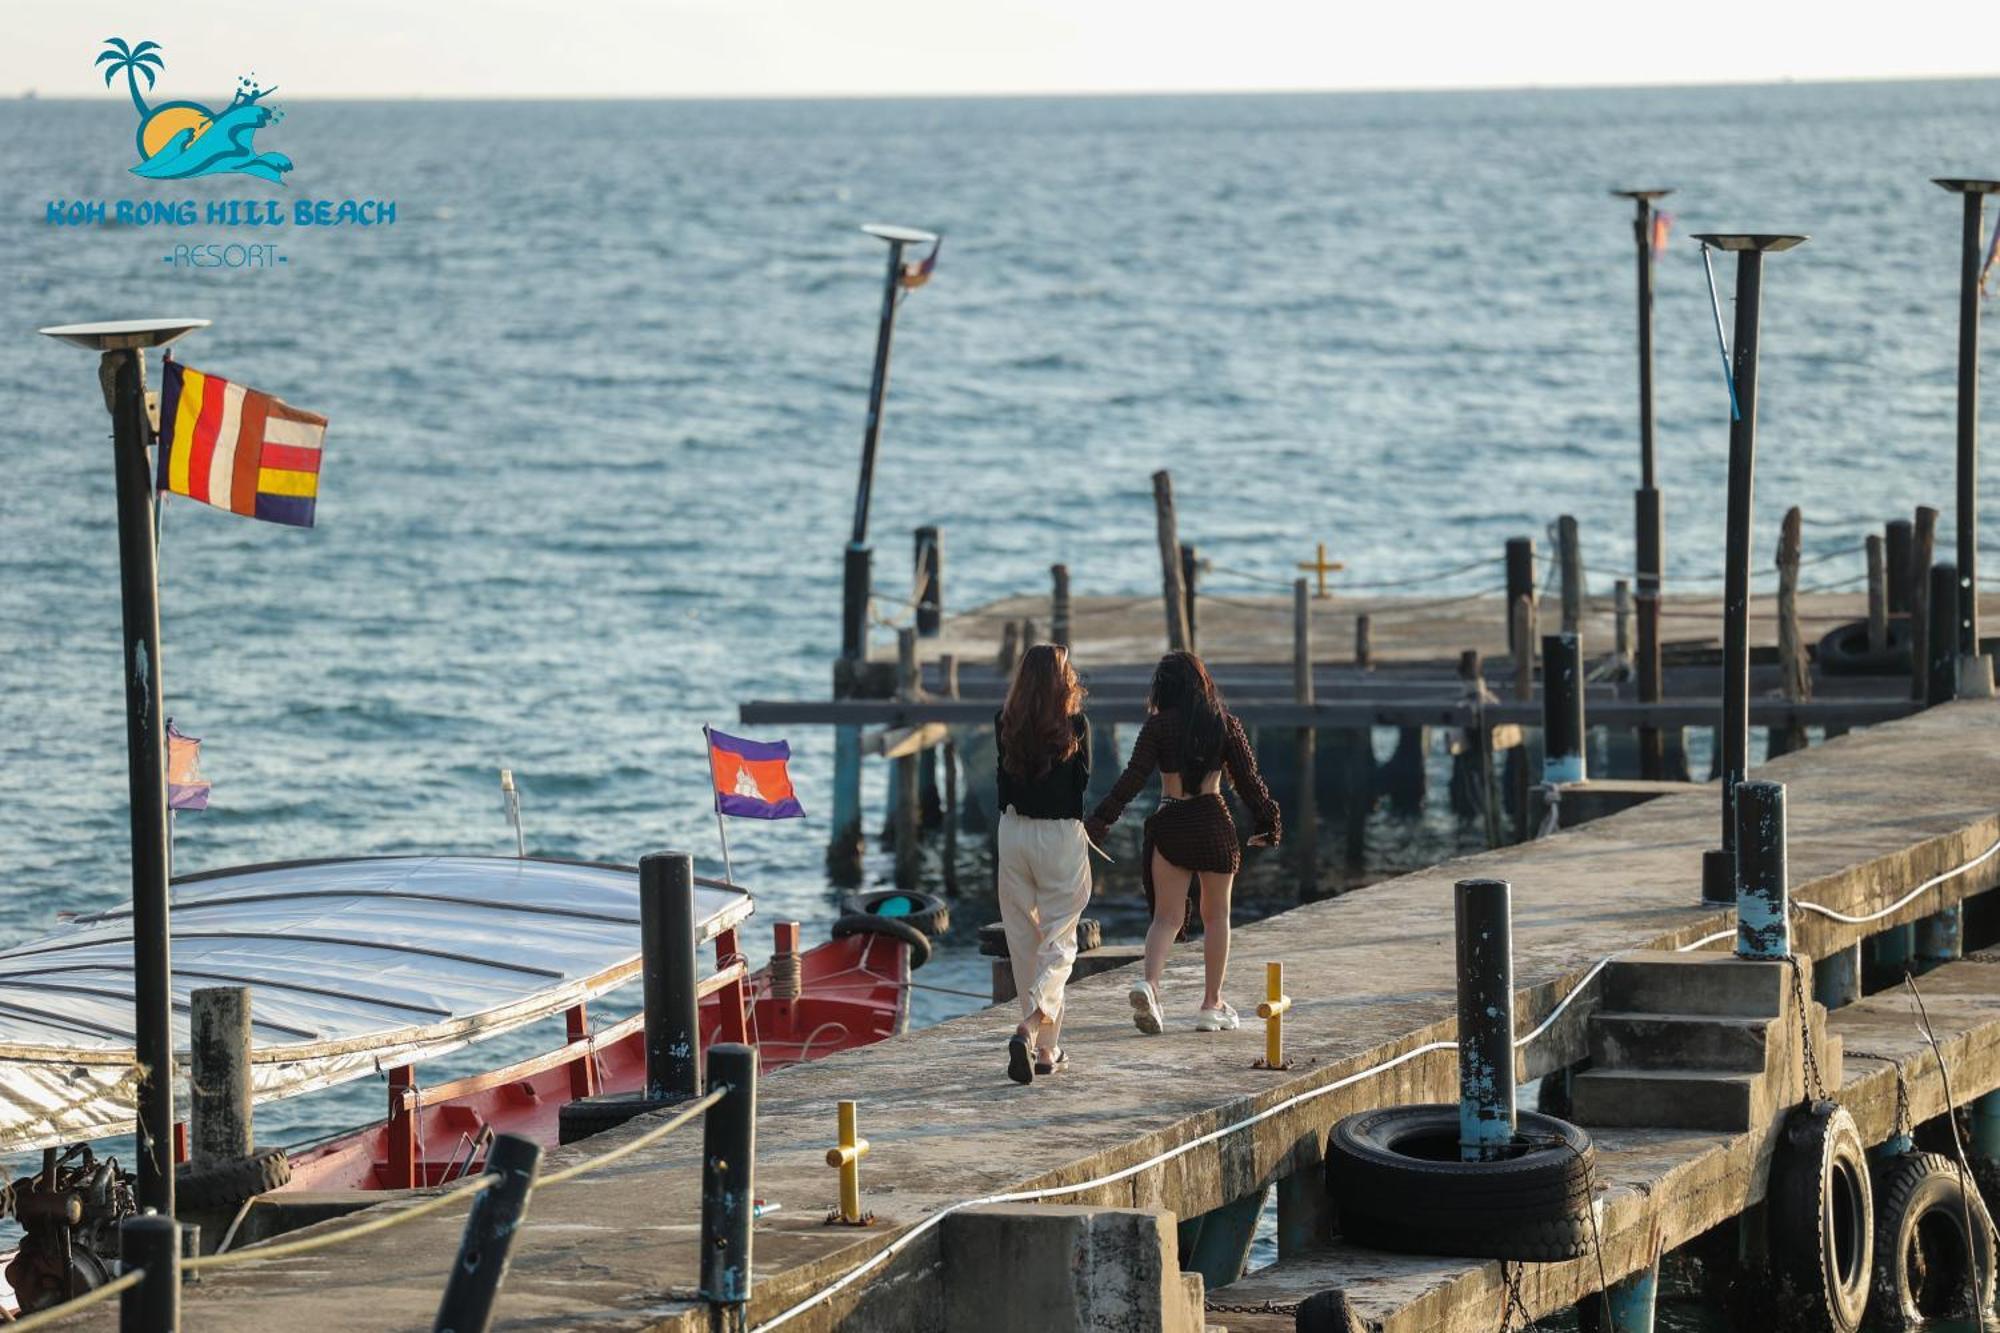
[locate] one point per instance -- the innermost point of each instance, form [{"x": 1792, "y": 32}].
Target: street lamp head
[
  {"x": 899, "y": 235},
  {"x": 1766, "y": 242},
  {"x": 1961, "y": 185},
  {"x": 1641, "y": 194},
  {"x": 124, "y": 334}
]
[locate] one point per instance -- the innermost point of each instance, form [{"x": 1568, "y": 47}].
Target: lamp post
[
  {"x": 1718, "y": 868},
  {"x": 1648, "y": 510},
  {"x": 1975, "y": 672},
  {"x": 121, "y": 346}
]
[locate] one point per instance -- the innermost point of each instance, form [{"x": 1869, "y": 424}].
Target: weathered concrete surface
[
  {"x": 1683, "y": 1182},
  {"x": 1029, "y": 1268},
  {"x": 1371, "y": 973}
]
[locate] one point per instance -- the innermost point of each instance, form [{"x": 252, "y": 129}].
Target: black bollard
[
  {"x": 1485, "y": 1018},
  {"x": 1942, "y": 666},
  {"x": 1763, "y": 916},
  {"x": 1562, "y": 708},
  {"x": 1520, "y": 583},
  {"x": 666, "y": 937},
  {"x": 487, "y": 1244},
  {"x": 728, "y": 1179},
  {"x": 152, "y": 1244},
  {"x": 1898, "y": 535},
  {"x": 1718, "y": 868}
]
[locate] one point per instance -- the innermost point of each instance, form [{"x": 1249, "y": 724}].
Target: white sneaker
[
  {"x": 1216, "y": 1020},
  {"x": 1146, "y": 1009}
]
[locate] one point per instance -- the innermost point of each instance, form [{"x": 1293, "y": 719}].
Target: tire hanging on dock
[
  {"x": 229, "y": 1183},
  {"x": 867, "y": 923},
  {"x": 1398, "y": 1183},
  {"x": 926, "y": 911},
  {"x": 1922, "y": 1247},
  {"x": 1822, "y": 1216}
]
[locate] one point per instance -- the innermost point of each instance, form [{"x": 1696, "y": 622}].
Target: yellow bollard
[
  {"x": 1272, "y": 1011},
  {"x": 847, "y": 1155},
  {"x": 1321, "y": 566}
]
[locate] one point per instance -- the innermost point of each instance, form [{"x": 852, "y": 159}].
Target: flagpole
[{"x": 715, "y": 798}]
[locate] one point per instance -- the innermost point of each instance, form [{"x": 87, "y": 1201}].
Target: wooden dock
[{"x": 1872, "y": 816}]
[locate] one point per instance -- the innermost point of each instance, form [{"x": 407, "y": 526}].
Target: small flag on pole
[
  {"x": 1663, "y": 227},
  {"x": 187, "y": 789},
  {"x": 1992, "y": 254},
  {"x": 751, "y": 778},
  {"x": 237, "y": 449}
]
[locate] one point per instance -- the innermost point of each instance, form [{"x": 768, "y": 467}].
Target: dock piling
[
  {"x": 487, "y": 1244},
  {"x": 1794, "y": 665},
  {"x": 1898, "y": 544},
  {"x": 846, "y": 1155},
  {"x": 1570, "y": 554},
  {"x": 949, "y": 664},
  {"x": 1763, "y": 911},
  {"x": 667, "y": 954},
  {"x": 219, "y": 1114},
  {"x": 1621, "y": 637},
  {"x": 1837, "y": 977},
  {"x": 1059, "y": 612},
  {"x": 1272, "y": 1011},
  {"x": 1520, "y": 583},
  {"x": 1923, "y": 545},
  {"x": 1562, "y": 708},
  {"x": 930, "y": 582},
  {"x": 1939, "y": 938},
  {"x": 1484, "y": 912},
  {"x": 1975, "y": 672},
  {"x": 1173, "y": 589},
  {"x": 908, "y": 814},
  {"x": 1364, "y": 642},
  {"x": 1190, "y": 569},
  {"x": 151, "y": 1243},
  {"x": 1878, "y": 598},
  {"x": 1941, "y": 648},
  {"x": 1521, "y": 634},
  {"x": 728, "y": 1182},
  {"x": 1305, "y": 820}
]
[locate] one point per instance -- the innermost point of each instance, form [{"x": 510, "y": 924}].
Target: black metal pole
[
  {"x": 1973, "y": 192},
  {"x": 1485, "y": 1018},
  {"x": 1763, "y": 918},
  {"x": 146, "y": 748},
  {"x": 1942, "y": 666},
  {"x": 1520, "y": 583},
  {"x": 728, "y": 1181},
  {"x": 1899, "y": 538},
  {"x": 854, "y": 599},
  {"x": 1562, "y": 708},
  {"x": 487, "y": 1244},
  {"x": 151, "y": 1243},
  {"x": 667, "y": 941}
]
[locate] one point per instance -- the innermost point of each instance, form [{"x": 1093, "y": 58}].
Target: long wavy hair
[
  {"x": 1036, "y": 732},
  {"x": 1181, "y": 684}
]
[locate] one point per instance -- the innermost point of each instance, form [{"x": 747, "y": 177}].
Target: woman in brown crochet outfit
[{"x": 1192, "y": 740}]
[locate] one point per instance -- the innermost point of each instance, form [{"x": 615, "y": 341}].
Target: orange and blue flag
[
  {"x": 752, "y": 778},
  {"x": 187, "y": 789},
  {"x": 237, "y": 449}
]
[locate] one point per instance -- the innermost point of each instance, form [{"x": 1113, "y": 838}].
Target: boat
[{"x": 366, "y": 966}]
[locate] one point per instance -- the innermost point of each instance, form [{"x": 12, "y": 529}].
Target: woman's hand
[{"x": 1264, "y": 840}]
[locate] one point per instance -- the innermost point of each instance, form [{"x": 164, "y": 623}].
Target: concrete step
[
  {"x": 1710, "y": 984},
  {"x": 1670, "y": 1099},
  {"x": 1678, "y": 1041}
]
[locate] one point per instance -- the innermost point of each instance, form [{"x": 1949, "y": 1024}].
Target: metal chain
[
  {"x": 1261, "y": 1307},
  {"x": 1514, "y": 1304},
  {"x": 1815, "y": 1087}
]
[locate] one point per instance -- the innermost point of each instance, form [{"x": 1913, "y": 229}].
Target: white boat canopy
[{"x": 354, "y": 965}]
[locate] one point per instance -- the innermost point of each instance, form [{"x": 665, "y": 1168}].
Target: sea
[{"x": 597, "y": 398}]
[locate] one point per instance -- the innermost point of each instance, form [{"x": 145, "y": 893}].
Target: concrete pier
[{"x": 1871, "y": 816}]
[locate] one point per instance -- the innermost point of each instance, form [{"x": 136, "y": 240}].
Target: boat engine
[{"x": 70, "y": 1211}]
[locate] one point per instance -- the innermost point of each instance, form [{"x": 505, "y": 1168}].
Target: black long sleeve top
[
  {"x": 1056, "y": 794},
  {"x": 1158, "y": 743}
]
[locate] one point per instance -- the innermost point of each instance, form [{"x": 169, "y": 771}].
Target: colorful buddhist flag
[
  {"x": 187, "y": 789},
  {"x": 237, "y": 449},
  {"x": 751, "y": 778}
]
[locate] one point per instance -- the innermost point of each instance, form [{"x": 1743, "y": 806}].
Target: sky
[{"x": 794, "y": 48}]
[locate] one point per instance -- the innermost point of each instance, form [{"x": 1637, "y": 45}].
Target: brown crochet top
[{"x": 1160, "y": 742}]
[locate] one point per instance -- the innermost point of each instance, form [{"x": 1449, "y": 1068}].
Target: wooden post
[
  {"x": 1572, "y": 574},
  {"x": 1923, "y": 543},
  {"x": 1621, "y": 601},
  {"x": 1364, "y": 643},
  {"x": 950, "y": 665},
  {"x": 1305, "y": 818},
  {"x": 1520, "y": 583},
  {"x": 1010, "y": 645},
  {"x": 1899, "y": 540},
  {"x": 1794, "y": 669},
  {"x": 1473, "y": 673},
  {"x": 1941, "y": 607},
  {"x": 1878, "y": 598},
  {"x": 1173, "y": 589},
  {"x": 219, "y": 1073},
  {"x": 930, "y": 582},
  {"x": 1650, "y": 507},
  {"x": 908, "y": 814},
  {"x": 1521, "y": 629},
  {"x": 1190, "y": 566},
  {"x": 1059, "y": 605}
]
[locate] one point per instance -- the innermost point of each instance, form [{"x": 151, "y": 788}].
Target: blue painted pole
[
  {"x": 1484, "y": 914},
  {"x": 1986, "y": 1126},
  {"x": 1632, "y": 1300},
  {"x": 1562, "y": 708},
  {"x": 1837, "y": 977},
  {"x": 1940, "y": 938},
  {"x": 1763, "y": 915},
  {"x": 1893, "y": 949}
]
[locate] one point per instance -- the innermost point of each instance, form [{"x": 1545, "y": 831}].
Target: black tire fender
[
  {"x": 199, "y": 1186},
  {"x": 926, "y": 911},
  {"x": 1822, "y": 1216},
  {"x": 1843, "y": 650},
  {"x": 1921, "y": 1244},
  {"x": 895, "y": 927},
  {"x": 1398, "y": 1185},
  {"x": 587, "y": 1116}
]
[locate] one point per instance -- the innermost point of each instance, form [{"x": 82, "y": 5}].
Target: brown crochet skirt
[{"x": 1194, "y": 833}]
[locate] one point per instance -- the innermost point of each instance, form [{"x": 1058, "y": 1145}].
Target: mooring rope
[{"x": 1906, "y": 899}]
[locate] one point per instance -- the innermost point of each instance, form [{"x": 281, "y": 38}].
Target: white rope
[{"x": 1907, "y": 898}]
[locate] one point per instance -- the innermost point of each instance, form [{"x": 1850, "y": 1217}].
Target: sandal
[
  {"x": 1054, "y": 1062},
  {"x": 1019, "y": 1067}
]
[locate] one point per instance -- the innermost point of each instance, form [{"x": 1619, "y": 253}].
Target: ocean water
[{"x": 597, "y": 397}]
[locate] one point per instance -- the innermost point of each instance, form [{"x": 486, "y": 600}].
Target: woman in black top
[
  {"x": 1044, "y": 872},
  {"x": 1192, "y": 740}
]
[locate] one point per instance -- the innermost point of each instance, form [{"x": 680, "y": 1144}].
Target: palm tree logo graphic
[{"x": 177, "y": 140}]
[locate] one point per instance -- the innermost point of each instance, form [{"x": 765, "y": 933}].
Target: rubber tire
[
  {"x": 200, "y": 1186},
  {"x": 1535, "y": 1207},
  {"x": 1843, "y": 650},
  {"x": 932, "y": 916},
  {"x": 1911, "y": 1187},
  {"x": 587, "y": 1116},
  {"x": 895, "y": 927},
  {"x": 1819, "y": 1159}
]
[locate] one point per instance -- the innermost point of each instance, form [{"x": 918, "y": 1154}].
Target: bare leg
[
  {"x": 1215, "y": 891},
  {"x": 1170, "y": 891}
]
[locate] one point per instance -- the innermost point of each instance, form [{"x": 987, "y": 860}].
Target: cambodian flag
[{"x": 751, "y": 778}]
